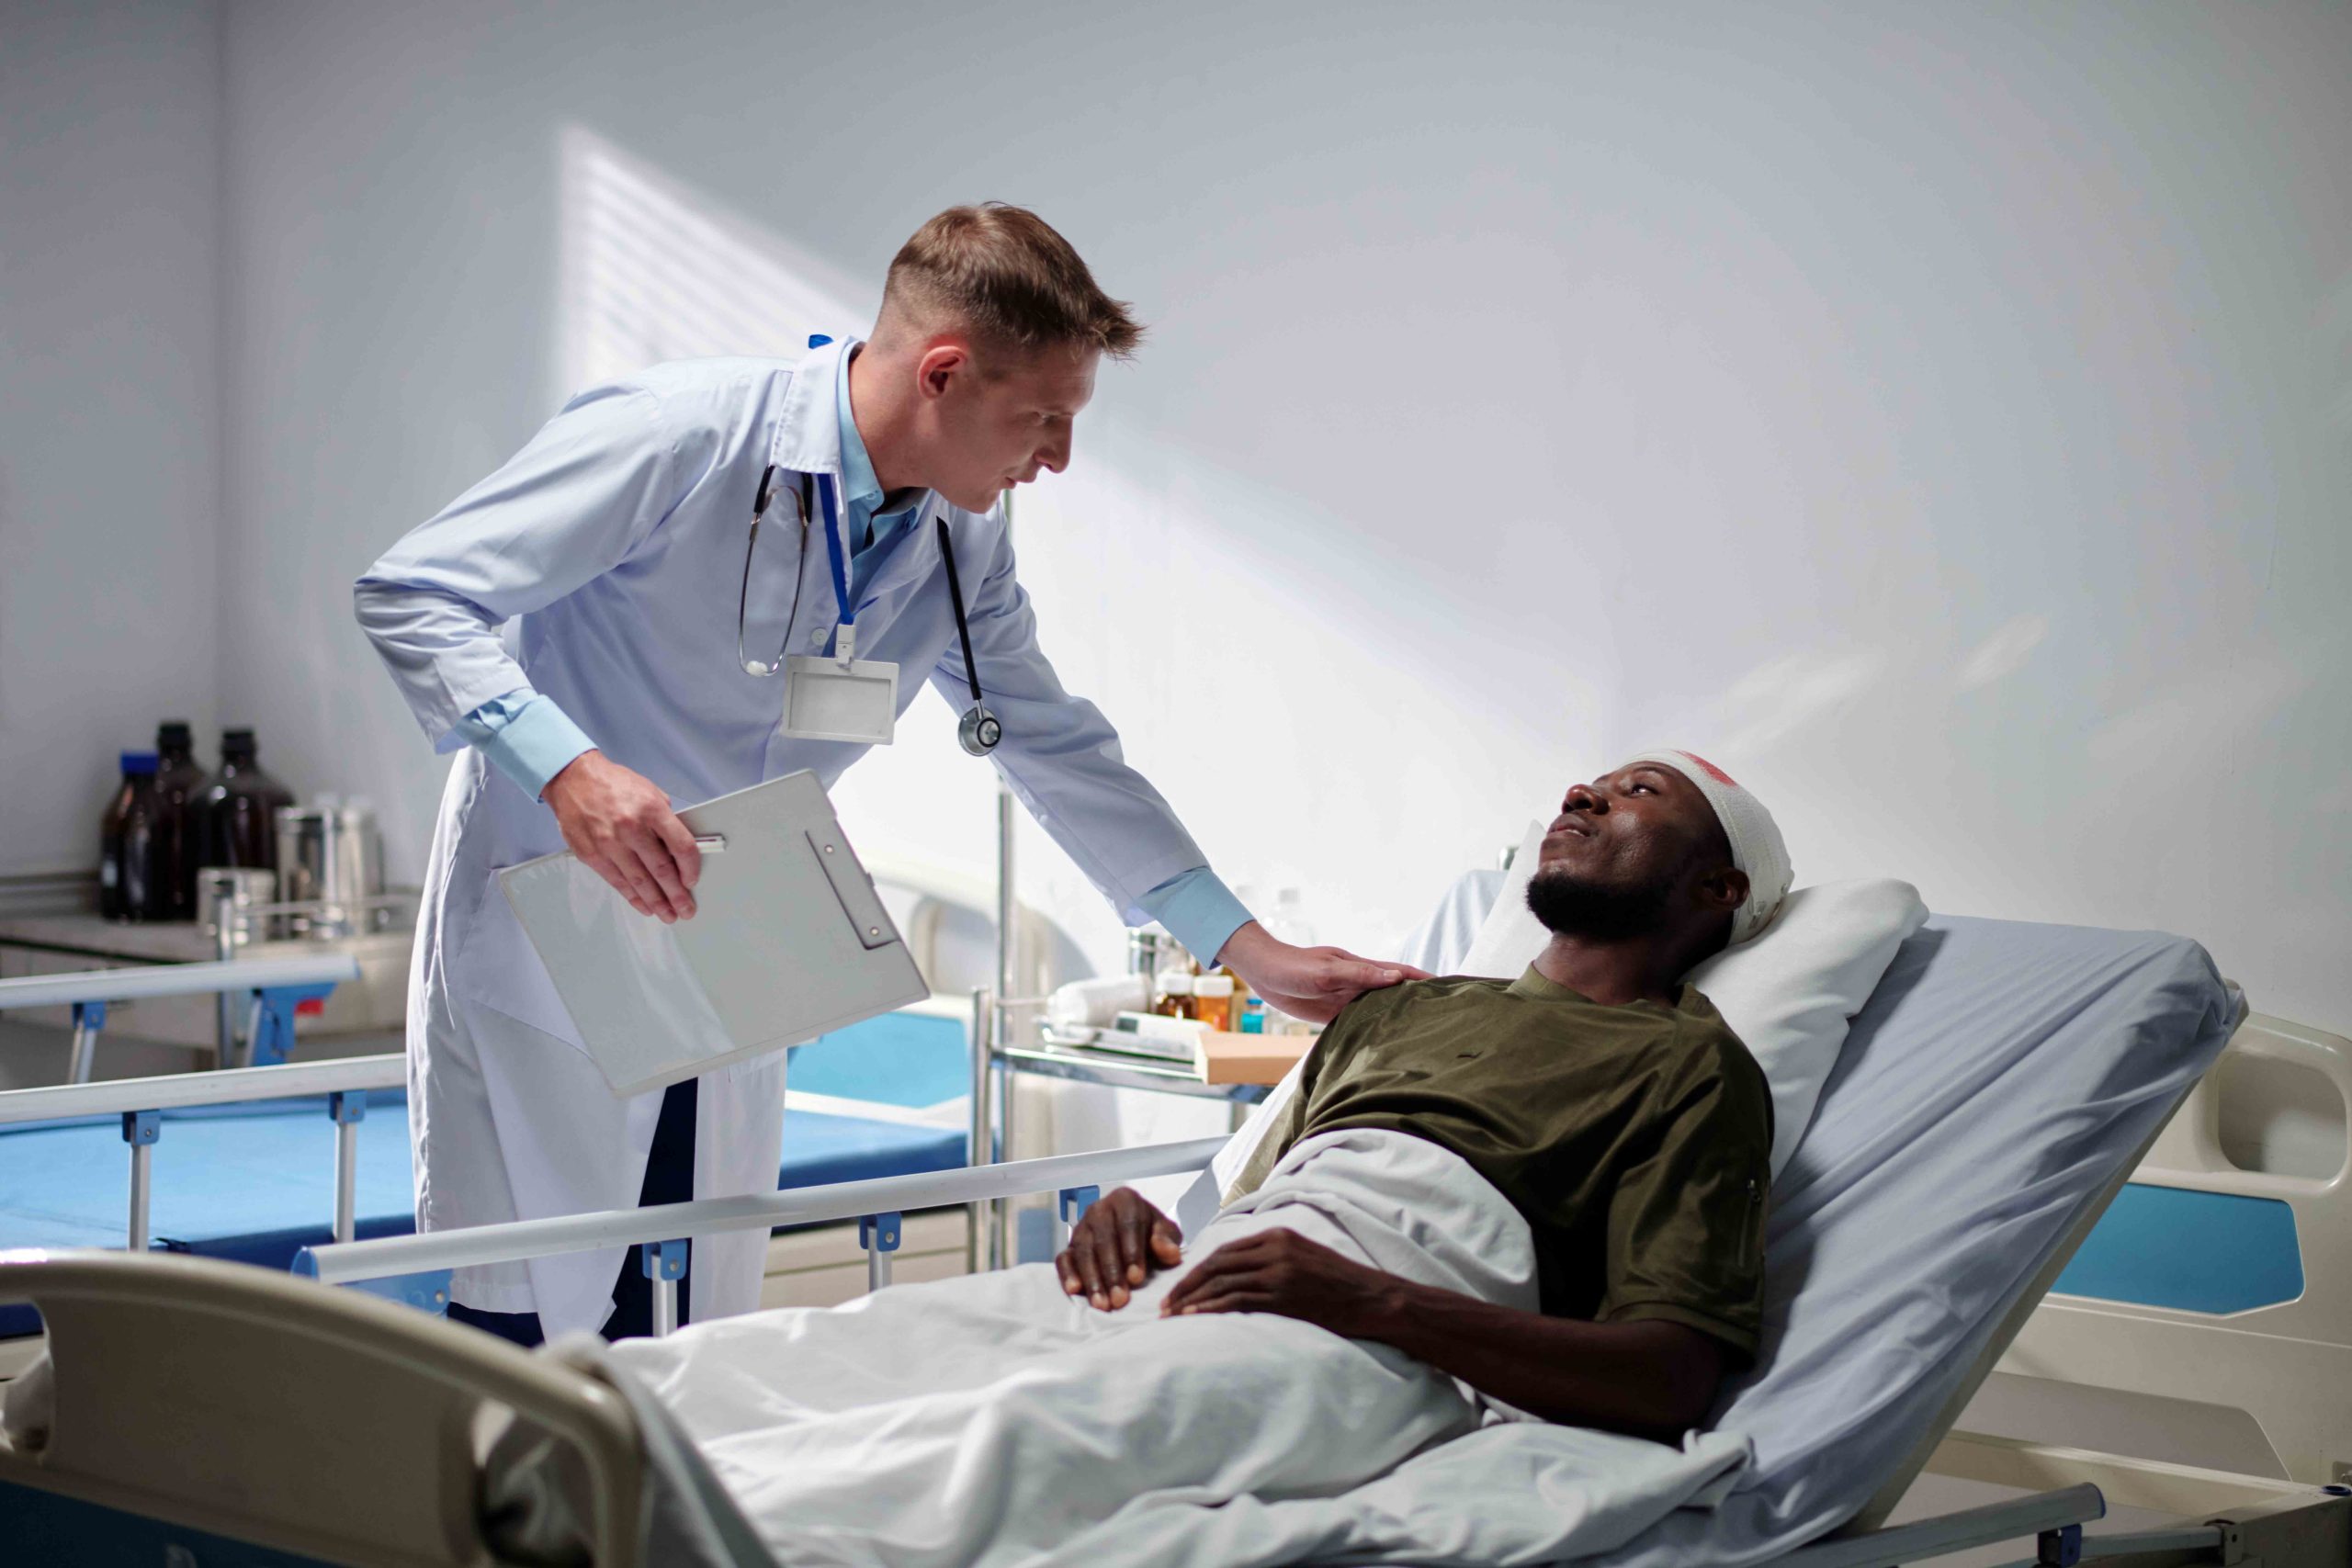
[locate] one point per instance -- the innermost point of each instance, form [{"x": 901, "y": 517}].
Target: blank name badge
[{"x": 825, "y": 699}]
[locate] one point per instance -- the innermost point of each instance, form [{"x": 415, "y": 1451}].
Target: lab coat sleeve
[
  {"x": 589, "y": 488},
  {"x": 1060, "y": 754}
]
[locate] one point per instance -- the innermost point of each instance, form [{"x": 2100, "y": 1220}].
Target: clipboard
[{"x": 789, "y": 940}]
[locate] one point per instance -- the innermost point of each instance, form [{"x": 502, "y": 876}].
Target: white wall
[
  {"x": 109, "y": 439},
  {"x": 1940, "y": 415}
]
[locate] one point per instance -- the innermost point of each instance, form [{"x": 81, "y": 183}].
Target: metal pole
[
  {"x": 1007, "y": 932},
  {"x": 977, "y": 1212},
  {"x": 665, "y": 1306},
  {"x": 143, "y": 1183},
  {"x": 347, "y": 1180},
  {"x": 224, "y": 947},
  {"x": 88, "y": 1018}
]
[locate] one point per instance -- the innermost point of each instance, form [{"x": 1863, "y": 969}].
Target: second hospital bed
[{"x": 1997, "y": 1090}]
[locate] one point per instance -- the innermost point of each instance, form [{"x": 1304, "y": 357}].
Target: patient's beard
[{"x": 1569, "y": 905}]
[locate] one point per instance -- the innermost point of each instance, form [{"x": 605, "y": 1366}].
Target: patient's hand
[
  {"x": 1118, "y": 1244},
  {"x": 1281, "y": 1272},
  {"x": 1312, "y": 983}
]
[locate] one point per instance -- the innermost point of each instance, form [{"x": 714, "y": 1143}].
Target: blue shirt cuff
[
  {"x": 530, "y": 742},
  {"x": 1198, "y": 909}
]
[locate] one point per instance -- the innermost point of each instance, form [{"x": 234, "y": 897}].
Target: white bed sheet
[{"x": 1999, "y": 1075}]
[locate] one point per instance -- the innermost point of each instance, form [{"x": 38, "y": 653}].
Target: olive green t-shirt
[{"x": 1635, "y": 1140}]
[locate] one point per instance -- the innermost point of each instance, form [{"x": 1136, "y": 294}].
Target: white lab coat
[{"x": 611, "y": 550}]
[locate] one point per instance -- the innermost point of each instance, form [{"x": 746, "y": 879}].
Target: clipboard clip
[{"x": 711, "y": 843}]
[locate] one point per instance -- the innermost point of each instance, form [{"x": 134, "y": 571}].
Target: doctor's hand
[
  {"x": 620, "y": 824},
  {"x": 1118, "y": 1244},
  {"x": 1312, "y": 983}
]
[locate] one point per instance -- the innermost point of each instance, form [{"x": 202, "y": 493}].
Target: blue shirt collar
[{"x": 859, "y": 487}]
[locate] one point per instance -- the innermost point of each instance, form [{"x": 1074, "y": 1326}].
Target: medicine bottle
[
  {"x": 127, "y": 842},
  {"x": 241, "y": 807},
  {"x": 178, "y": 831}
]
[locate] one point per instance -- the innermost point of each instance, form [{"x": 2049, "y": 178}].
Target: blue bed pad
[{"x": 253, "y": 1183}]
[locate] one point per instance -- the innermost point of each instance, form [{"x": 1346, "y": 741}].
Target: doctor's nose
[{"x": 1053, "y": 458}]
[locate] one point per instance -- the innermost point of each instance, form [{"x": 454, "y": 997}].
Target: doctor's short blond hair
[{"x": 1003, "y": 274}]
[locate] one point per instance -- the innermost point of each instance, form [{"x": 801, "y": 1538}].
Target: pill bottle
[
  {"x": 1175, "y": 994},
  {"x": 1213, "y": 1001}
]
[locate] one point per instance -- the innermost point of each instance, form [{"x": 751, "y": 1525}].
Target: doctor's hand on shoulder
[
  {"x": 620, "y": 824},
  {"x": 1312, "y": 983}
]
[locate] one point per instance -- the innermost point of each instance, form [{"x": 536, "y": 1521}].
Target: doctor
[{"x": 571, "y": 624}]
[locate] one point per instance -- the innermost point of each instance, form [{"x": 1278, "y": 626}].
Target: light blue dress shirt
[{"x": 527, "y": 736}]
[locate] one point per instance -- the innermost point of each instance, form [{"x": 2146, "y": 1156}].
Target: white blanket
[{"x": 993, "y": 1419}]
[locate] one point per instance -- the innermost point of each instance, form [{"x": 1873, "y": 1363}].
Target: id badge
[{"x": 826, "y": 699}]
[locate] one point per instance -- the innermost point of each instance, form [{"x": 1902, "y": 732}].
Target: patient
[
  {"x": 1604, "y": 1099},
  {"x": 1489, "y": 1204}
]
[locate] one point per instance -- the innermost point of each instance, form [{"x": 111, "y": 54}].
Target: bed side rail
[
  {"x": 275, "y": 987},
  {"x": 140, "y": 1102},
  {"x": 663, "y": 1231},
  {"x": 2054, "y": 1519},
  {"x": 2285, "y": 1359}
]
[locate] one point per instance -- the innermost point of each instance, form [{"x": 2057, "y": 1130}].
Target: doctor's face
[{"x": 1005, "y": 425}]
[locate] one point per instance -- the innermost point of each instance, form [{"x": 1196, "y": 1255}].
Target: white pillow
[{"x": 1789, "y": 993}]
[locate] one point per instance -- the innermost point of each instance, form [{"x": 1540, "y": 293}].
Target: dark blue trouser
[{"x": 669, "y": 1179}]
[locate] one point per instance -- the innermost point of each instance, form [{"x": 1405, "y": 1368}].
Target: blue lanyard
[{"x": 834, "y": 548}]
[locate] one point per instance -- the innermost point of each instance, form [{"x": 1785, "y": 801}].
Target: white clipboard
[{"x": 789, "y": 940}]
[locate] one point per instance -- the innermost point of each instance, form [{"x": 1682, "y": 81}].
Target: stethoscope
[{"x": 979, "y": 731}]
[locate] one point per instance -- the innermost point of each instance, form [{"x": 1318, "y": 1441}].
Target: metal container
[
  {"x": 227, "y": 899},
  {"x": 330, "y": 856}
]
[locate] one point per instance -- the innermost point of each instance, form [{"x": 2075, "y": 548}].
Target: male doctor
[{"x": 611, "y": 552}]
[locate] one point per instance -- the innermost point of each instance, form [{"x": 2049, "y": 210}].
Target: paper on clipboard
[{"x": 790, "y": 939}]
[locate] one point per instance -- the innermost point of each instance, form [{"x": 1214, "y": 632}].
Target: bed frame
[{"x": 153, "y": 1359}]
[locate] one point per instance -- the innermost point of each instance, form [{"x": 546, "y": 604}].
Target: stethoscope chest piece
[{"x": 979, "y": 731}]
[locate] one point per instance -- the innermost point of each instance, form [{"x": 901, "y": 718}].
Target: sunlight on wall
[{"x": 650, "y": 269}]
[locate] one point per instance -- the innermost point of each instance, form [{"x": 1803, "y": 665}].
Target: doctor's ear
[{"x": 942, "y": 366}]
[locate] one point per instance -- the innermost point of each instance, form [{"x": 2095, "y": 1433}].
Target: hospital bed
[{"x": 1991, "y": 1099}]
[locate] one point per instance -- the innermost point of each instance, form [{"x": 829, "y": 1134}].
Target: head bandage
[{"x": 1756, "y": 845}]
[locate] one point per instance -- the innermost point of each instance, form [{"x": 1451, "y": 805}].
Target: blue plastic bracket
[
  {"x": 427, "y": 1291},
  {"x": 1076, "y": 1200},
  {"x": 878, "y": 1231},
  {"x": 2061, "y": 1547},
  {"x": 91, "y": 1016},
  {"x": 141, "y": 1127},
  {"x": 345, "y": 1106},
  {"x": 274, "y": 1029},
  {"x": 665, "y": 1260}
]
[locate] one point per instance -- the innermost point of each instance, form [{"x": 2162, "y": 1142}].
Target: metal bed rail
[
  {"x": 419, "y": 1264},
  {"x": 141, "y": 1103},
  {"x": 277, "y": 987}
]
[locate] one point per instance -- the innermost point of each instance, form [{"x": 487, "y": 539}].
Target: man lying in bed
[
  {"x": 1604, "y": 1099},
  {"x": 1492, "y": 1202}
]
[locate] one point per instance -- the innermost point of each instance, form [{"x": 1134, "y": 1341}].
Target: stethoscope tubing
[{"x": 979, "y": 720}]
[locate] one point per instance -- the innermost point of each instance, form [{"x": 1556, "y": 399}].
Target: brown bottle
[
  {"x": 127, "y": 842},
  {"x": 178, "y": 833},
  {"x": 240, "y": 807}
]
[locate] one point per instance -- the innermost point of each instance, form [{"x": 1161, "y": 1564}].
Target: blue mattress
[{"x": 253, "y": 1183}]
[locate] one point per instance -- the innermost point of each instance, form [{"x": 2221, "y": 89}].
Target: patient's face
[{"x": 1619, "y": 848}]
